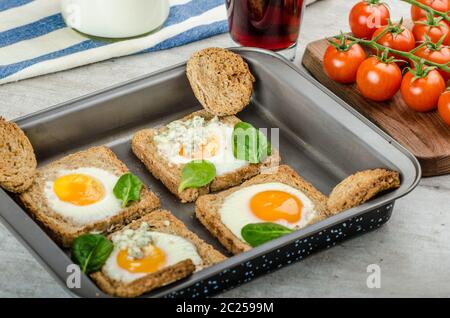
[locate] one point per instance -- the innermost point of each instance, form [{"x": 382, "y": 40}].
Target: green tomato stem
[
  {"x": 417, "y": 48},
  {"x": 422, "y": 6},
  {"x": 379, "y": 36},
  {"x": 408, "y": 55},
  {"x": 373, "y": 2}
]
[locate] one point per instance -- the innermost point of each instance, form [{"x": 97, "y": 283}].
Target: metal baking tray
[{"x": 320, "y": 137}]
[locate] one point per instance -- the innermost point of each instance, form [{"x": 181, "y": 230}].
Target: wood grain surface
[{"x": 424, "y": 134}]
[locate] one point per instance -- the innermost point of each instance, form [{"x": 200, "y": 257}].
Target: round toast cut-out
[
  {"x": 220, "y": 80},
  {"x": 361, "y": 187},
  {"x": 17, "y": 160}
]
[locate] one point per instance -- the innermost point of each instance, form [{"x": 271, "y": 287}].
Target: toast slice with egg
[
  {"x": 64, "y": 229},
  {"x": 17, "y": 160},
  {"x": 169, "y": 174},
  {"x": 163, "y": 222},
  {"x": 207, "y": 207}
]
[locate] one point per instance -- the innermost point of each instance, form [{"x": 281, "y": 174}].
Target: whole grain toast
[
  {"x": 207, "y": 206},
  {"x": 361, "y": 187},
  {"x": 64, "y": 230},
  {"x": 169, "y": 174},
  {"x": 160, "y": 221},
  {"x": 17, "y": 160},
  {"x": 221, "y": 80}
]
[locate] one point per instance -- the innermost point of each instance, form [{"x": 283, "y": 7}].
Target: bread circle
[
  {"x": 221, "y": 80},
  {"x": 17, "y": 159}
]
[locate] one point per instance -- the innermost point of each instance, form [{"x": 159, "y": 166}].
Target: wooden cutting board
[{"x": 425, "y": 135}]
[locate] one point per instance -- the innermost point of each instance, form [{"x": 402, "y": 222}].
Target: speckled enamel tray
[{"x": 320, "y": 137}]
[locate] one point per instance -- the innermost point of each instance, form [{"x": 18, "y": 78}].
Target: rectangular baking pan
[{"x": 320, "y": 137}]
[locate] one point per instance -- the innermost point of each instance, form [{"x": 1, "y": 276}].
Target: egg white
[
  {"x": 223, "y": 160},
  {"x": 108, "y": 206},
  {"x": 175, "y": 248},
  {"x": 235, "y": 211}
]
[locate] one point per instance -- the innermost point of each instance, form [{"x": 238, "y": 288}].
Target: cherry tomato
[
  {"x": 398, "y": 38},
  {"x": 444, "y": 107},
  {"x": 434, "y": 31},
  {"x": 377, "y": 80},
  {"x": 438, "y": 5},
  {"x": 422, "y": 94},
  {"x": 439, "y": 55},
  {"x": 342, "y": 65},
  {"x": 366, "y": 16}
]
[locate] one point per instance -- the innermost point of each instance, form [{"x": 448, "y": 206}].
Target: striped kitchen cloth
[{"x": 34, "y": 40}]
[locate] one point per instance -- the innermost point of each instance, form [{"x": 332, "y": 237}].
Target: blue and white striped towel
[{"x": 34, "y": 40}]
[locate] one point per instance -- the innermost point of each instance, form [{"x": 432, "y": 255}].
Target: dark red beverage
[{"x": 268, "y": 24}]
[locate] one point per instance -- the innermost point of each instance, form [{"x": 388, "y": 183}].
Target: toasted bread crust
[
  {"x": 64, "y": 231},
  {"x": 17, "y": 160},
  {"x": 221, "y": 80},
  {"x": 161, "y": 221},
  {"x": 207, "y": 206},
  {"x": 147, "y": 283},
  {"x": 361, "y": 187},
  {"x": 158, "y": 222},
  {"x": 170, "y": 174}
]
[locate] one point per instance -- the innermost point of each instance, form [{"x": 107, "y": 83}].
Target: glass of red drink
[{"x": 268, "y": 24}]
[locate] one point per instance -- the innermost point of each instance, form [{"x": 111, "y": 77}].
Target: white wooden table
[{"x": 412, "y": 250}]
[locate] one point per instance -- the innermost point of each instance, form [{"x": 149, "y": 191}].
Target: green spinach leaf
[
  {"x": 196, "y": 174},
  {"x": 91, "y": 251},
  {"x": 259, "y": 233},
  {"x": 128, "y": 188},
  {"x": 250, "y": 144}
]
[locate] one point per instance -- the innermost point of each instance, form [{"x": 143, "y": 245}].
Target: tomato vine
[{"x": 444, "y": 15}]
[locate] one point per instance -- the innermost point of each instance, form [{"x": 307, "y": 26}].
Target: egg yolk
[
  {"x": 208, "y": 150},
  {"x": 271, "y": 206},
  {"x": 78, "y": 189},
  {"x": 153, "y": 260}
]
